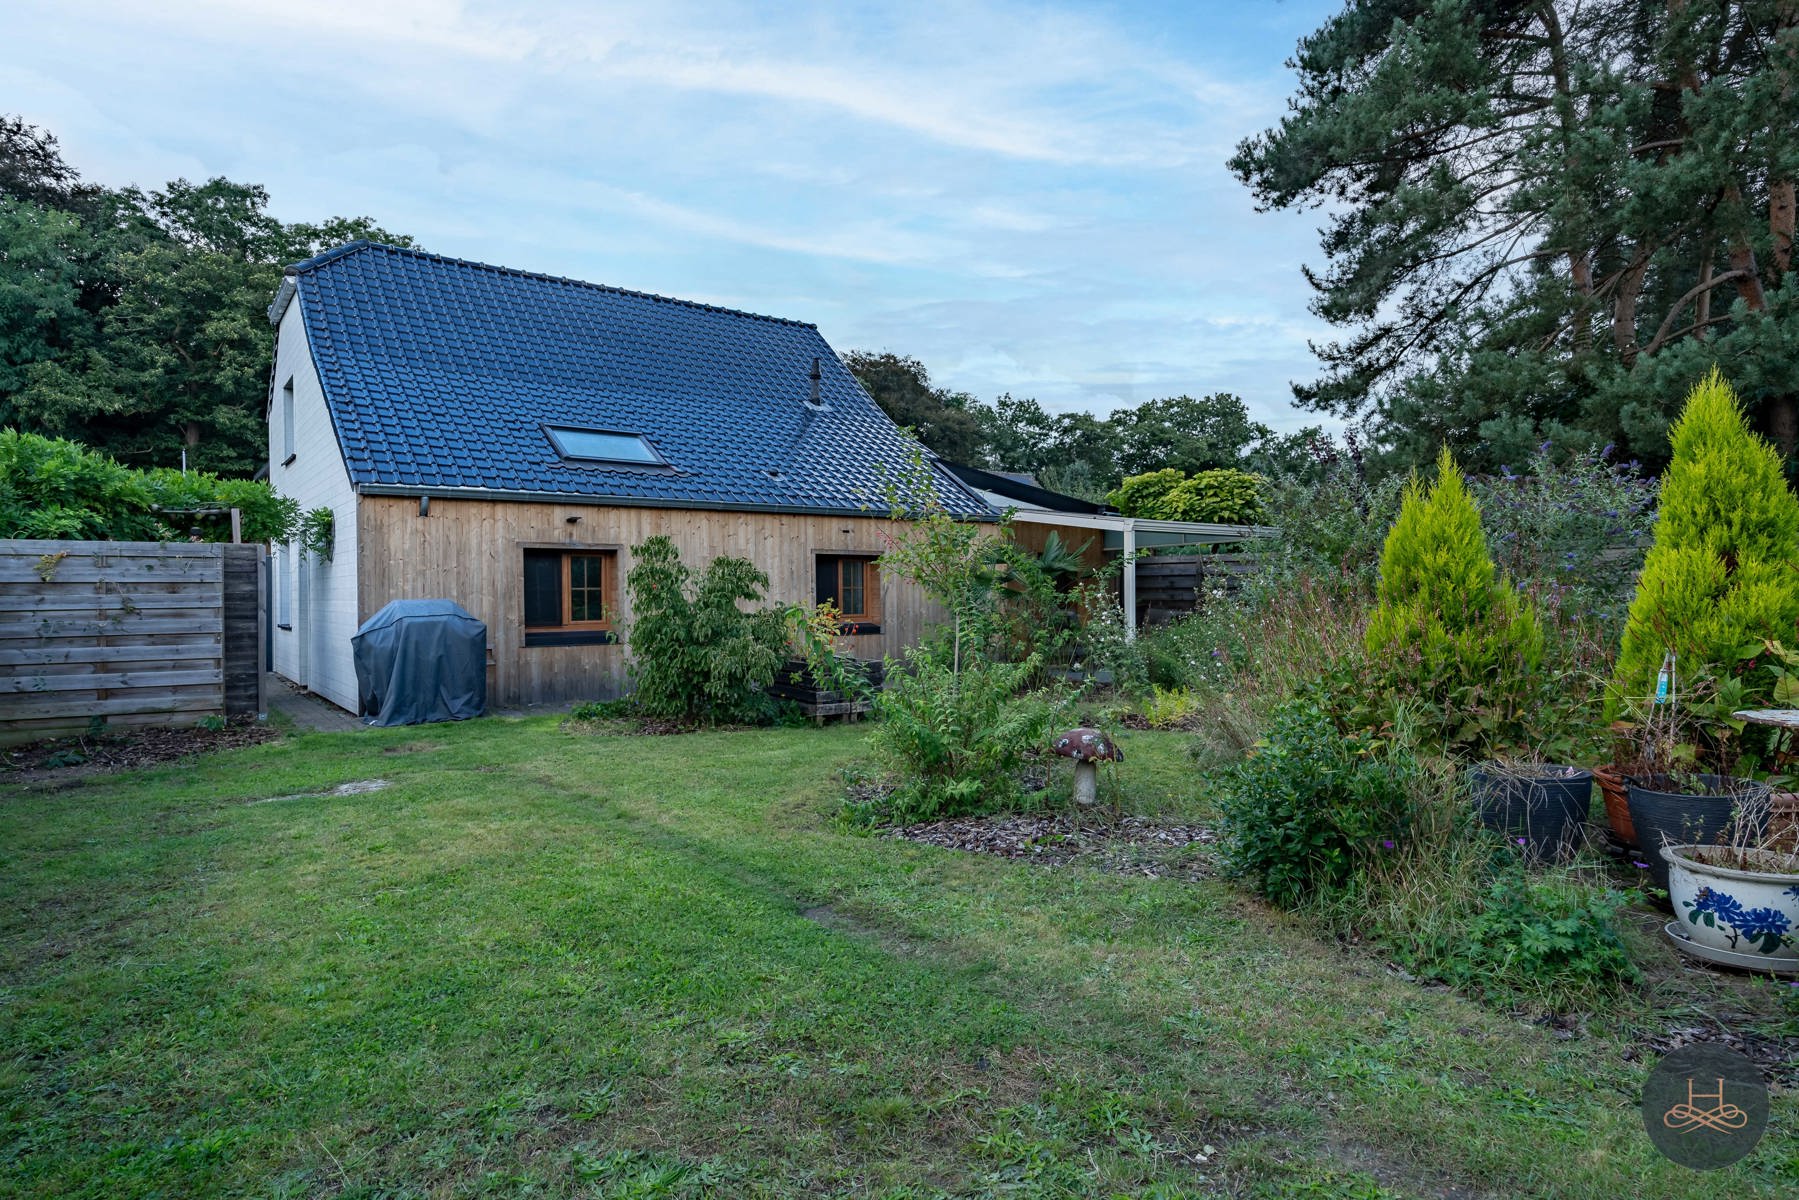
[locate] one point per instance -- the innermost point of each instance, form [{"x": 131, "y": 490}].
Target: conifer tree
[
  {"x": 1723, "y": 573},
  {"x": 1448, "y": 628}
]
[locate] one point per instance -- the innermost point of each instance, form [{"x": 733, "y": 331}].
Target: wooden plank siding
[
  {"x": 133, "y": 633},
  {"x": 472, "y": 552}
]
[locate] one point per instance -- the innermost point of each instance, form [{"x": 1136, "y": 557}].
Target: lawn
[{"x": 544, "y": 963}]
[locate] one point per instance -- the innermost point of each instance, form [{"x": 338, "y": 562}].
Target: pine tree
[
  {"x": 1448, "y": 629},
  {"x": 1723, "y": 573}
]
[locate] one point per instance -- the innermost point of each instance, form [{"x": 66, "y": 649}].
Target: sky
[{"x": 1027, "y": 198}]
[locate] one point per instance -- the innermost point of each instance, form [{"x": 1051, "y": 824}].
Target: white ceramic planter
[{"x": 1750, "y": 915}]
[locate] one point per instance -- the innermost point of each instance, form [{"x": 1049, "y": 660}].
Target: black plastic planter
[
  {"x": 1548, "y": 811},
  {"x": 1665, "y": 814}
]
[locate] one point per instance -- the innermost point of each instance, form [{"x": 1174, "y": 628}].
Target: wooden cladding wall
[
  {"x": 1168, "y": 585},
  {"x": 135, "y": 633},
  {"x": 472, "y": 552}
]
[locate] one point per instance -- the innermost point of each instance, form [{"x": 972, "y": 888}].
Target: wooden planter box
[{"x": 794, "y": 681}]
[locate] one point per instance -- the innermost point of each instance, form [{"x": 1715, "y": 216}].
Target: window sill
[
  {"x": 289, "y": 460},
  {"x": 571, "y": 637}
]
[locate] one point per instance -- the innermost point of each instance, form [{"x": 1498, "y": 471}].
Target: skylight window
[{"x": 600, "y": 445}]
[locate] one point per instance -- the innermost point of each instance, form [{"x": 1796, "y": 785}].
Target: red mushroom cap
[{"x": 1087, "y": 745}]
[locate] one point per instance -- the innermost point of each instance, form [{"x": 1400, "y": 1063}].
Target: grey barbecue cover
[{"x": 419, "y": 661}]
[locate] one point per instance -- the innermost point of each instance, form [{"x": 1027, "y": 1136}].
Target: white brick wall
[{"x": 316, "y": 650}]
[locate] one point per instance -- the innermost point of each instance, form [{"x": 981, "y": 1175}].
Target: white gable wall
[{"x": 315, "y": 598}]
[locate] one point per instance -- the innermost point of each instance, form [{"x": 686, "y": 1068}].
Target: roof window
[{"x": 602, "y": 445}]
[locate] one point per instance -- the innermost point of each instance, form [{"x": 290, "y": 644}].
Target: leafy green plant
[
  {"x": 212, "y": 723},
  {"x": 56, "y": 489},
  {"x": 318, "y": 533},
  {"x": 695, "y": 655},
  {"x": 1448, "y": 631},
  {"x": 1170, "y": 708},
  {"x": 1311, "y": 804},
  {"x": 958, "y": 738},
  {"x": 1532, "y": 935},
  {"x": 1226, "y": 496},
  {"x": 1723, "y": 574}
]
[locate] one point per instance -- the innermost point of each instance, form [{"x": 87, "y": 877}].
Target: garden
[{"x": 1347, "y": 884}]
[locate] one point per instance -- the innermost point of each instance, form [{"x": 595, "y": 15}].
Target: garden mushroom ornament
[{"x": 1088, "y": 747}]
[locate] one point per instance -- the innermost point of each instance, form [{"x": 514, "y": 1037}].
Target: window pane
[
  {"x": 585, "y": 599},
  {"x": 852, "y": 590},
  {"x": 600, "y": 445},
  {"x": 543, "y": 587}
]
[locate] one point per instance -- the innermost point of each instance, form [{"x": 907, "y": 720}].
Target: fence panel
[{"x": 129, "y": 633}]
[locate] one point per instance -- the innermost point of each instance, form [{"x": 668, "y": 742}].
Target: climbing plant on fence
[{"x": 56, "y": 489}]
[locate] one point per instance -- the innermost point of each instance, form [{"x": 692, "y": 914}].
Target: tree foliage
[
  {"x": 1723, "y": 573},
  {"x": 1547, "y": 219},
  {"x": 134, "y": 321},
  {"x": 56, "y": 489},
  {"x": 1225, "y": 496},
  {"x": 938, "y": 417}
]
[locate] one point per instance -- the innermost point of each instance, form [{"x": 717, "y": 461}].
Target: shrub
[
  {"x": 1572, "y": 530},
  {"x": 56, "y": 489},
  {"x": 1447, "y": 629},
  {"x": 1723, "y": 573},
  {"x": 695, "y": 655},
  {"x": 959, "y": 738},
  {"x": 1225, "y": 496},
  {"x": 1551, "y": 938},
  {"x": 1171, "y": 708},
  {"x": 1311, "y": 804}
]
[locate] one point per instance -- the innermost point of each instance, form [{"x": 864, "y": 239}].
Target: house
[{"x": 502, "y": 439}]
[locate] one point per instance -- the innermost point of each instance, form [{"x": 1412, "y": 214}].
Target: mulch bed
[
  {"x": 1128, "y": 846},
  {"x": 68, "y": 759}
]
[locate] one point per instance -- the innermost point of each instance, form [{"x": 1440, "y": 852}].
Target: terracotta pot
[{"x": 1617, "y": 804}]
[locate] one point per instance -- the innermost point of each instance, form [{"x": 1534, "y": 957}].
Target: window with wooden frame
[
  {"x": 853, "y": 584},
  {"x": 570, "y": 597}
]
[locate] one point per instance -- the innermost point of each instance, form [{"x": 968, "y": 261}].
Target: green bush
[
  {"x": 56, "y": 489},
  {"x": 1447, "y": 631},
  {"x": 1311, "y": 804},
  {"x": 1548, "y": 937},
  {"x": 1225, "y": 496},
  {"x": 958, "y": 739},
  {"x": 1723, "y": 573},
  {"x": 695, "y": 655}
]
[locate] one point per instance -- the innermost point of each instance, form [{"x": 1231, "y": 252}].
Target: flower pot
[
  {"x": 1666, "y": 815},
  {"x": 1548, "y": 811},
  {"x": 1742, "y": 906},
  {"x": 1615, "y": 792}
]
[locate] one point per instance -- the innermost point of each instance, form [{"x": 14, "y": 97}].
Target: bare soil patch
[{"x": 64, "y": 760}]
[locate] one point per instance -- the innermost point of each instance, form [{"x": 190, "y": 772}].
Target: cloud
[{"x": 1028, "y": 198}]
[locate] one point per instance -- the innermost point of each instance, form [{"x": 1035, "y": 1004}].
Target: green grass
[{"x": 544, "y": 964}]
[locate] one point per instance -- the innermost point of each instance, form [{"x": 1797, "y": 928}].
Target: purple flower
[
  {"x": 1610, "y": 448},
  {"x": 1639, "y": 866},
  {"x": 1543, "y": 449},
  {"x": 1388, "y": 843},
  {"x": 1521, "y": 841}
]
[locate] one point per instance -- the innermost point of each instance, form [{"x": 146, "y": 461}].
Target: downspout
[{"x": 1130, "y": 578}]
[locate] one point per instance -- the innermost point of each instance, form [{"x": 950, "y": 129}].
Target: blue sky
[{"x": 1029, "y": 198}]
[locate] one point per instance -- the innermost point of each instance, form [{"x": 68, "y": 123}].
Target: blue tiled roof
[{"x": 441, "y": 373}]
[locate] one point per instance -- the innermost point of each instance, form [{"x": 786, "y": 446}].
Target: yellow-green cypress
[
  {"x": 1723, "y": 573},
  {"x": 1449, "y": 629}
]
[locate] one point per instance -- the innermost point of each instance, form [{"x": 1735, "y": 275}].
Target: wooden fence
[
  {"x": 129, "y": 633},
  {"x": 1168, "y": 585}
]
